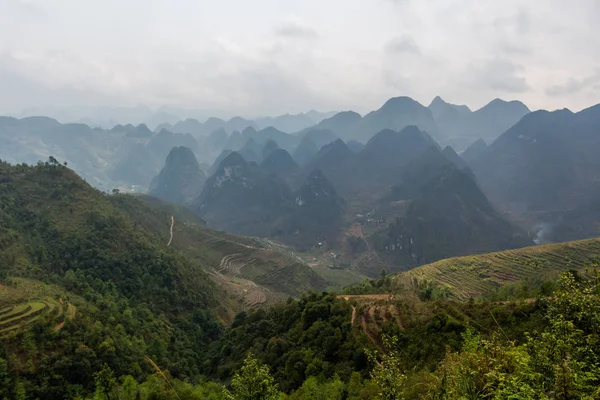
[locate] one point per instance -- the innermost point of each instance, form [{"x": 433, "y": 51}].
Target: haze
[{"x": 269, "y": 57}]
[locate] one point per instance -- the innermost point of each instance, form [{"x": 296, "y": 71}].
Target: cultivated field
[{"x": 472, "y": 276}]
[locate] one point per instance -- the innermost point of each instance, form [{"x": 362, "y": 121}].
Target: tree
[
  {"x": 52, "y": 160},
  {"x": 387, "y": 373},
  {"x": 253, "y": 382},
  {"x": 115, "y": 191},
  {"x": 105, "y": 382},
  {"x": 4, "y": 379}
]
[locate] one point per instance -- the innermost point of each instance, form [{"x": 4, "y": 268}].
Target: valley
[{"x": 213, "y": 245}]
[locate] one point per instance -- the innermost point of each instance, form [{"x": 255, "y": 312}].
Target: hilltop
[{"x": 483, "y": 274}]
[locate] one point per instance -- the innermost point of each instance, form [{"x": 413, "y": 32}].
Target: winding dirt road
[{"x": 171, "y": 230}]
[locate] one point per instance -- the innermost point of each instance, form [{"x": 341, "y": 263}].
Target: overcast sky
[{"x": 266, "y": 57}]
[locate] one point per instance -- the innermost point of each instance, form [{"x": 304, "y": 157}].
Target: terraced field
[
  {"x": 19, "y": 317},
  {"x": 272, "y": 269},
  {"x": 473, "y": 276}
]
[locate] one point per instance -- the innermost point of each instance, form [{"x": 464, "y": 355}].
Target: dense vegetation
[
  {"x": 102, "y": 308},
  {"x": 135, "y": 295}
]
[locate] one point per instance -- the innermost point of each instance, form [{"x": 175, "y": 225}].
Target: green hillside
[
  {"x": 478, "y": 275},
  {"x": 88, "y": 279}
]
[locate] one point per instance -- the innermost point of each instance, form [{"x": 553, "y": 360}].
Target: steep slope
[
  {"x": 251, "y": 151},
  {"x": 317, "y": 214},
  {"x": 305, "y": 151},
  {"x": 241, "y": 198},
  {"x": 450, "y": 217},
  {"x": 320, "y": 137},
  {"x": 416, "y": 176},
  {"x": 580, "y": 223},
  {"x": 161, "y": 144},
  {"x": 216, "y": 140},
  {"x": 546, "y": 162},
  {"x": 496, "y": 117},
  {"x": 396, "y": 114},
  {"x": 355, "y": 146},
  {"x": 439, "y": 108},
  {"x": 279, "y": 162},
  {"x": 474, "y": 151},
  {"x": 284, "y": 140},
  {"x": 384, "y": 156},
  {"x": 336, "y": 161},
  {"x": 479, "y": 275},
  {"x": 457, "y": 160},
  {"x": 181, "y": 180},
  {"x": 269, "y": 147},
  {"x": 92, "y": 247},
  {"x": 460, "y": 126},
  {"x": 390, "y": 148},
  {"x": 344, "y": 124}
]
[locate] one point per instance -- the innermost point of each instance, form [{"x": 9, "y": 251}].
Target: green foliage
[
  {"x": 312, "y": 389},
  {"x": 562, "y": 361},
  {"x": 253, "y": 382},
  {"x": 298, "y": 339},
  {"x": 387, "y": 373},
  {"x": 135, "y": 295}
]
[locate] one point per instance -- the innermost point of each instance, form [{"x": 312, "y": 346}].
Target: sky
[{"x": 268, "y": 57}]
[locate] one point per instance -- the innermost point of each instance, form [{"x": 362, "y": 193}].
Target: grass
[
  {"x": 262, "y": 261},
  {"x": 27, "y": 301},
  {"x": 341, "y": 277},
  {"x": 35, "y": 310},
  {"x": 474, "y": 276}
]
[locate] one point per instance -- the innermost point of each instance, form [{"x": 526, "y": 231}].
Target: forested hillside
[{"x": 89, "y": 279}]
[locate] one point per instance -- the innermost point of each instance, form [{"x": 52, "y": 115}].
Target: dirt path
[
  {"x": 365, "y": 327},
  {"x": 353, "y": 316},
  {"x": 348, "y": 297},
  {"x": 171, "y": 230},
  {"x": 356, "y": 230},
  {"x": 71, "y": 311}
]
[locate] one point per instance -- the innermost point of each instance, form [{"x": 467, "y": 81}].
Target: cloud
[
  {"x": 270, "y": 57},
  {"x": 498, "y": 74},
  {"x": 403, "y": 44},
  {"x": 295, "y": 28},
  {"x": 518, "y": 23},
  {"x": 573, "y": 86}
]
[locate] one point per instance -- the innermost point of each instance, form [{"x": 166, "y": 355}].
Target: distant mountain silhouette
[
  {"x": 460, "y": 126},
  {"x": 317, "y": 213},
  {"x": 547, "y": 161},
  {"x": 305, "y": 151},
  {"x": 216, "y": 140},
  {"x": 336, "y": 161},
  {"x": 320, "y": 137},
  {"x": 269, "y": 147},
  {"x": 281, "y": 163},
  {"x": 181, "y": 180},
  {"x": 457, "y": 160},
  {"x": 448, "y": 216},
  {"x": 251, "y": 151},
  {"x": 215, "y": 166},
  {"x": 244, "y": 198},
  {"x": 137, "y": 167},
  {"x": 162, "y": 143},
  {"x": 343, "y": 124},
  {"x": 439, "y": 108},
  {"x": 474, "y": 151},
  {"x": 241, "y": 198},
  {"x": 396, "y": 114},
  {"x": 286, "y": 123},
  {"x": 198, "y": 129},
  {"x": 355, "y": 146}
]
